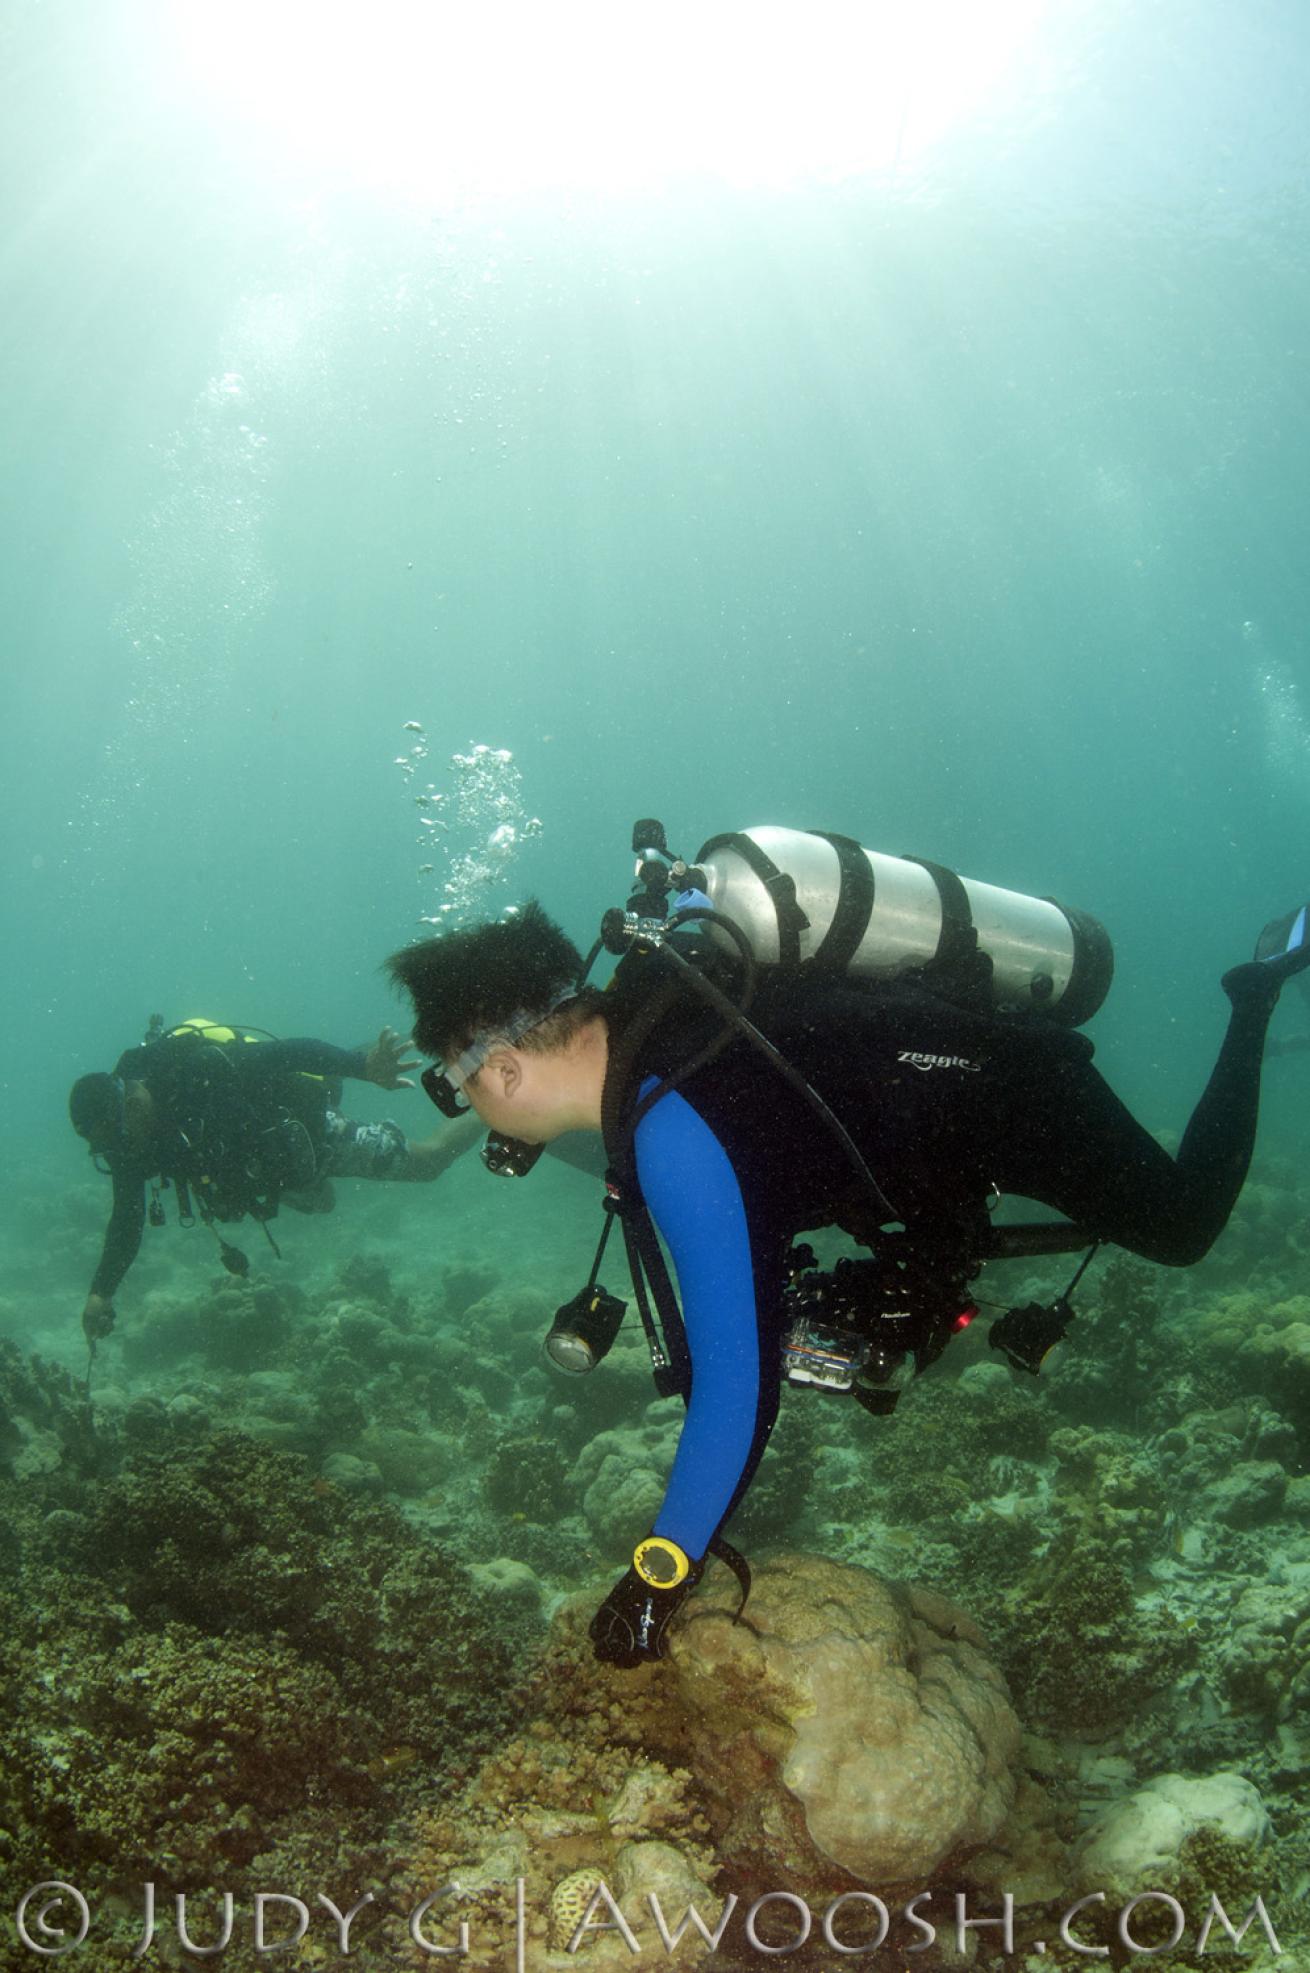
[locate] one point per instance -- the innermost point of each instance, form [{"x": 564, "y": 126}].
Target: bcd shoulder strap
[{"x": 668, "y": 1344}]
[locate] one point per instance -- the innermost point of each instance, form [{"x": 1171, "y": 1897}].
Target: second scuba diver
[{"x": 237, "y": 1123}]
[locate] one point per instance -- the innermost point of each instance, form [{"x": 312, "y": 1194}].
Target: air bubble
[{"x": 484, "y": 823}]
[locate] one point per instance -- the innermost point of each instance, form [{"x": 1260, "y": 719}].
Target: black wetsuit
[
  {"x": 944, "y": 1105},
  {"x": 224, "y": 1123}
]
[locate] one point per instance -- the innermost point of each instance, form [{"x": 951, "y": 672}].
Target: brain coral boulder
[{"x": 845, "y": 1730}]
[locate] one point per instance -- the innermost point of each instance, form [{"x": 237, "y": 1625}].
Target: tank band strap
[
  {"x": 957, "y": 942},
  {"x": 850, "y": 921},
  {"x": 780, "y": 887},
  {"x": 1093, "y": 966}
]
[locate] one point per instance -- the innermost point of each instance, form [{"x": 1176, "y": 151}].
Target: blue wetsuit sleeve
[{"x": 692, "y": 1194}]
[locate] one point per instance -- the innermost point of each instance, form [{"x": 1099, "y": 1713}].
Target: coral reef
[
  {"x": 355, "y": 1499},
  {"x": 45, "y": 1420},
  {"x": 211, "y": 1660},
  {"x": 783, "y": 1496},
  {"x": 873, "y": 1718}
]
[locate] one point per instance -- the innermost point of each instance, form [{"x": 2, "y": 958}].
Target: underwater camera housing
[{"x": 865, "y": 1327}]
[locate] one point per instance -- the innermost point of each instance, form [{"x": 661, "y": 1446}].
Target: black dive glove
[
  {"x": 97, "y": 1318},
  {"x": 628, "y": 1629}
]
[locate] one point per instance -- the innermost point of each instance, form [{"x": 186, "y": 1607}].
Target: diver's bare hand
[
  {"x": 97, "y": 1318},
  {"x": 385, "y": 1060}
]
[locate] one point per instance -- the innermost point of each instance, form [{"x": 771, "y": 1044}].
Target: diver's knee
[
  {"x": 1177, "y": 1248},
  {"x": 318, "y": 1198}
]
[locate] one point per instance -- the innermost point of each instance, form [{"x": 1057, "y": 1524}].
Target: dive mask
[{"x": 445, "y": 1084}]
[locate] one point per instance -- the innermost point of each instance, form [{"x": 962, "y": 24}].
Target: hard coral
[
  {"x": 1265, "y": 1658},
  {"x": 620, "y": 1477},
  {"x": 593, "y": 1787},
  {"x": 1082, "y": 1657},
  {"x": 44, "y": 1418},
  {"x": 234, "y": 1325},
  {"x": 367, "y": 1278},
  {"x": 527, "y": 1475},
  {"x": 1197, "y": 1837},
  {"x": 846, "y": 1727}
]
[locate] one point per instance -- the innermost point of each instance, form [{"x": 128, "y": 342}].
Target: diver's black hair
[
  {"x": 467, "y": 982},
  {"x": 95, "y": 1109}
]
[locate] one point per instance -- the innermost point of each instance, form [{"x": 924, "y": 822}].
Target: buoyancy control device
[
  {"x": 232, "y": 1160},
  {"x": 821, "y": 903}
]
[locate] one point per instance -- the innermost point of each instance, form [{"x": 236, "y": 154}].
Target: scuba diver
[
  {"x": 896, "y": 1107},
  {"x": 236, "y": 1122}
]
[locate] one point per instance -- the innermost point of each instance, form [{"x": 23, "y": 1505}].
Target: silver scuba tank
[{"x": 804, "y": 896}]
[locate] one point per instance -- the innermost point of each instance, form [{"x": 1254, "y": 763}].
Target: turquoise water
[
  {"x": 947, "y": 491},
  {"x": 956, "y": 504}
]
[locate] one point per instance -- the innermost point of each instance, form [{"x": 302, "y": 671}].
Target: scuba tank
[{"x": 804, "y": 897}]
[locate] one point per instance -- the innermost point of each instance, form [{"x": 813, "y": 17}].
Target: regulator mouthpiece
[{"x": 509, "y": 1157}]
